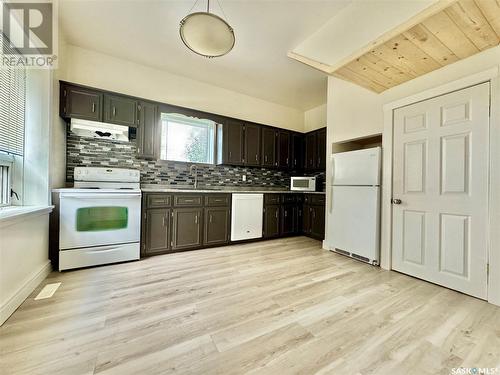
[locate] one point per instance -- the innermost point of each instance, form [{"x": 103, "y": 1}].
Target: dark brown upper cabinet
[
  {"x": 252, "y": 145},
  {"x": 187, "y": 228},
  {"x": 148, "y": 130},
  {"x": 231, "y": 143},
  {"x": 284, "y": 149},
  {"x": 217, "y": 224},
  {"x": 311, "y": 151},
  {"x": 269, "y": 140},
  {"x": 321, "y": 149},
  {"x": 120, "y": 110},
  {"x": 82, "y": 103},
  {"x": 297, "y": 145}
]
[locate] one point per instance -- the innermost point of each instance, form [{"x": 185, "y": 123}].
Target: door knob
[{"x": 396, "y": 201}]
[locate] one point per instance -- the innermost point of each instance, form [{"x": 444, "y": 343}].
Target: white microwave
[{"x": 303, "y": 183}]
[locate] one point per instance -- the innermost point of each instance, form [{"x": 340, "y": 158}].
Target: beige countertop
[{"x": 169, "y": 189}]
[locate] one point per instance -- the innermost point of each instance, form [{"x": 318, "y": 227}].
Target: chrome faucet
[{"x": 193, "y": 171}]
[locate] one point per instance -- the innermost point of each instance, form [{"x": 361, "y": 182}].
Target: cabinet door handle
[
  {"x": 287, "y": 160},
  {"x": 256, "y": 157},
  {"x": 114, "y": 111},
  {"x": 276, "y": 214},
  {"x": 230, "y": 154},
  {"x": 93, "y": 107},
  {"x": 286, "y": 213},
  {"x": 196, "y": 219},
  {"x": 164, "y": 219},
  {"x": 266, "y": 158},
  {"x": 210, "y": 218}
]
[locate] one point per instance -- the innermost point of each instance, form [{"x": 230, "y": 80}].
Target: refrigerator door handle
[
  {"x": 333, "y": 169},
  {"x": 330, "y": 208}
]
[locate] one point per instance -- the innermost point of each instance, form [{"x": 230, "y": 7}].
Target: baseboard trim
[{"x": 8, "y": 308}]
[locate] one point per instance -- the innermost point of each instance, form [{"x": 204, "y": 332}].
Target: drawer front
[
  {"x": 190, "y": 200},
  {"x": 214, "y": 200},
  {"x": 289, "y": 198},
  {"x": 318, "y": 199},
  {"x": 158, "y": 200},
  {"x": 272, "y": 198}
]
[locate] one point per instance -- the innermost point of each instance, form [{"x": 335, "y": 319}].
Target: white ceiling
[{"x": 146, "y": 31}]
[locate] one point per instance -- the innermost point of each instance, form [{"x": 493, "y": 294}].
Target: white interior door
[{"x": 440, "y": 224}]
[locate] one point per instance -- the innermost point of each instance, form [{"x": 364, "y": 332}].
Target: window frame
[
  {"x": 7, "y": 161},
  {"x": 188, "y": 116}
]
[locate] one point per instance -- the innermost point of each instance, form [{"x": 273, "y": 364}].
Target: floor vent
[
  {"x": 48, "y": 291},
  {"x": 343, "y": 252},
  {"x": 359, "y": 257}
]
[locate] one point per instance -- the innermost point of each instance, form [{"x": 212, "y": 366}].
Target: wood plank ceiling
[{"x": 463, "y": 29}]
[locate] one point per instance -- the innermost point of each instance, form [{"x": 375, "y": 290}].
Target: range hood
[{"x": 101, "y": 130}]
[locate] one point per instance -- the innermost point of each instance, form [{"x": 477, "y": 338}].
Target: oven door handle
[{"x": 99, "y": 195}]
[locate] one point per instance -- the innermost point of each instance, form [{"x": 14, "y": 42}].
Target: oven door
[{"x": 96, "y": 219}]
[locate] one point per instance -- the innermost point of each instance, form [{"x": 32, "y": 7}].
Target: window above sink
[{"x": 187, "y": 139}]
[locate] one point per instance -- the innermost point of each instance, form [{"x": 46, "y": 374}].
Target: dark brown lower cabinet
[
  {"x": 187, "y": 228},
  {"x": 314, "y": 216},
  {"x": 217, "y": 223},
  {"x": 288, "y": 219},
  {"x": 318, "y": 222},
  {"x": 183, "y": 221},
  {"x": 157, "y": 236},
  {"x": 306, "y": 222},
  {"x": 271, "y": 221}
]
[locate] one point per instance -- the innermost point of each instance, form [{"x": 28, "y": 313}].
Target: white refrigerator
[{"x": 354, "y": 205}]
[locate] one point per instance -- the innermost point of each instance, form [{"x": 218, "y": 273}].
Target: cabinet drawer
[
  {"x": 289, "y": 198},
  {"x": 318, "y": 199},
  {"x": 214, "y": 200},
  {"x": 272, "y": 198},
  {"x": 188, "y": 200},
  {"x": 158, "y": 200}
]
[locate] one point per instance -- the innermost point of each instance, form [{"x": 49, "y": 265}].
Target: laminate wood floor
[{"x": 275, "y": 307}]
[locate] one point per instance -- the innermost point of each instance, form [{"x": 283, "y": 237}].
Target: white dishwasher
[{"x": 246, "y": 217}]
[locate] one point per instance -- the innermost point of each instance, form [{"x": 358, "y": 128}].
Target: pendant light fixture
[{"x": 207, "y": 34}]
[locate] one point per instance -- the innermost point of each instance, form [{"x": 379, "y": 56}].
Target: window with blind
[
  {"x": 12, "y": 110},
  {"x": 12, "y": 120}
]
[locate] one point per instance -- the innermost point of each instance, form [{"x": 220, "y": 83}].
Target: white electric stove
[{"x": 100, "y": 218}]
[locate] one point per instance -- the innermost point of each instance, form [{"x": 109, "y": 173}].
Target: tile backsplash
[{"x": 92, "y": 152}]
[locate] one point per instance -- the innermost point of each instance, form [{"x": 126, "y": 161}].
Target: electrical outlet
[{"x": 244, "y": 177}]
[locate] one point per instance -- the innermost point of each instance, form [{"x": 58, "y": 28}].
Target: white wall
[
  {"x": 23, "y": 260},
  {"x": 315, "y": 118},
  {"x": 353, "y": 111},
  {"x": 37, "y": 138},
  {"x": 57, "y": 158},
  {"x": 107, "y": 72}
]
